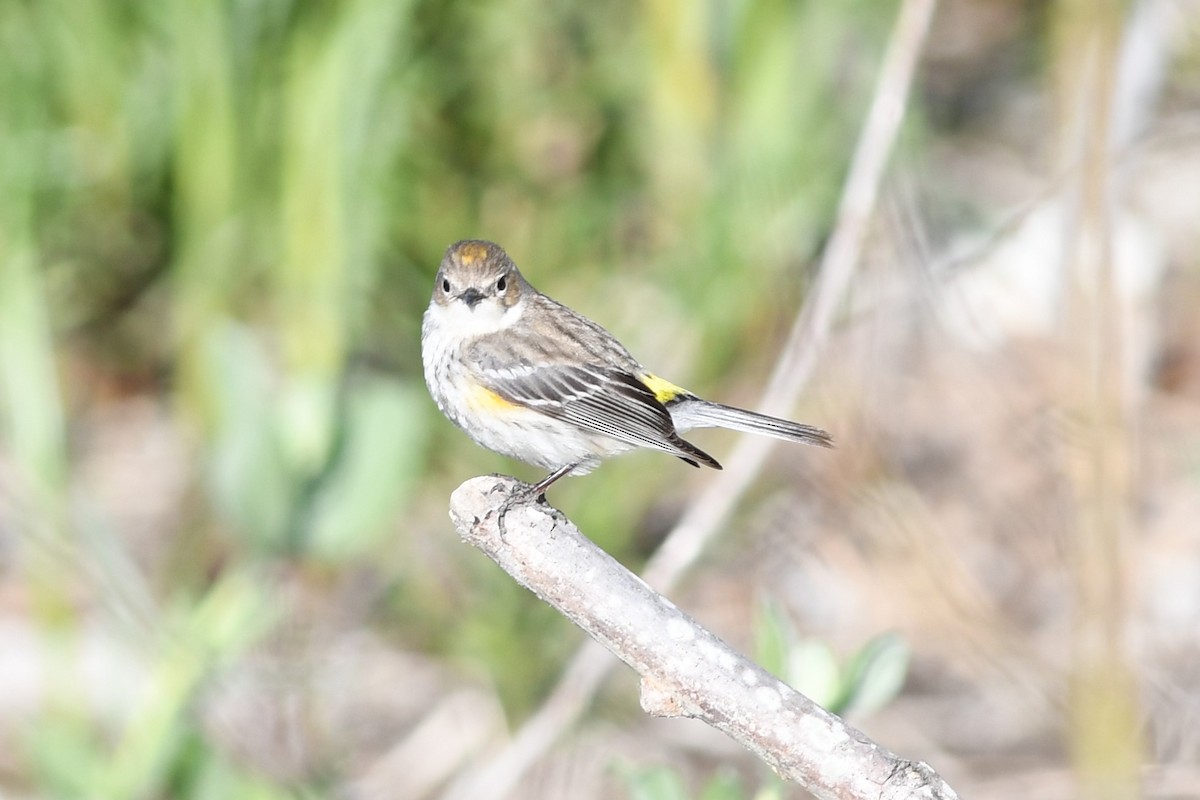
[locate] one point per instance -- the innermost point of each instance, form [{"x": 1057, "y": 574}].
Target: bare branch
[{"x": 685, "y": 669}]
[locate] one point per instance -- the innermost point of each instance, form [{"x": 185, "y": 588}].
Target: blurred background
[{"x": 226, "y": 568}]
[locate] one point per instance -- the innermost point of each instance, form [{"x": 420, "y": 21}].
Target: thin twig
[
  {"x": 589, "y": 666},
  {"x": 685, "y": 669}
]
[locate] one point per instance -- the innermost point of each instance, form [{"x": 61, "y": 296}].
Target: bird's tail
[{"x": 693, "y": 412}]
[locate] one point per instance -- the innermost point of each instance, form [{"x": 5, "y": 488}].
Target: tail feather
[
  {"x": 696, "y": 413},
  {"x": 694, "y": 455}
]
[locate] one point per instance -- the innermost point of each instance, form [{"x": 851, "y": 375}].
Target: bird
[{"x": 527, "y": 377}]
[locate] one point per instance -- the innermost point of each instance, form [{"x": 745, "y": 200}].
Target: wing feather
[{"x": 596, "y": 398}]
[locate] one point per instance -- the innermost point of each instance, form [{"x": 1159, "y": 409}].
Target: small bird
[{"x": 533, "y": 380}]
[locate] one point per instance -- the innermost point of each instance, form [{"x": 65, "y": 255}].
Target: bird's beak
[{"x": 471, "y": 297}]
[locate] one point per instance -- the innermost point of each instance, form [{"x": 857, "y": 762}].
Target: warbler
[{"x": 528, "y": 377}]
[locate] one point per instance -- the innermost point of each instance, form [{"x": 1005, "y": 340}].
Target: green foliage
[
  {"x": 233, "y": 209},
  {"x": 160, "y": 746},
  {"x": 281, "y": 497},
  {"x": 722, "y": 786},
  {"x": 875, "y": 674},
  {"x": 665, "y": 783},
  {"x": 654, "y": 783},
  {"x": 869, "y": 680}
]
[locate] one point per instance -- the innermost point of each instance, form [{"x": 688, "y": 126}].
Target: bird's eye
[
  {"x": 446, "y": 285},
  {"x": 500, "y": 284}
]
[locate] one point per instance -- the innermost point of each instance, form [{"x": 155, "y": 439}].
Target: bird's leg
[
  {"x": 537, "y": 491},
  {"x": 539, "y": 488}
]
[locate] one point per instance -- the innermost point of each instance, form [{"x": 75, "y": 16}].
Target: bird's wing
[{"x": 595, "y": 398}]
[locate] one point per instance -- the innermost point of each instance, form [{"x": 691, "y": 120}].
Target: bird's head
[{"x": 479, "y": 285}]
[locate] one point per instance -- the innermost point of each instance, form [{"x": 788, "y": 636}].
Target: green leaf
[
  {"x": 773, "y": 636},
  {"x": 772, "y": 789},
  {"x": 653, "y": 783},
  {"x": 725, "y": 785},
  {"x": 247, "y": 473},
  {"x": 876, "y": 673},
  {"x": 234, "y": 613},
  {"x": 65, "y": 752},
  {"x": 813, "y": 671},
  {"x": 385, "y": 439}
]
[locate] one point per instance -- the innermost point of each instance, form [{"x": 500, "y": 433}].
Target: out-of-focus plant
[
  {"x": 867, "y": 681},
  {"x": 233, "y": 210},
  {"x": 665, "y": 783},
  {"x": 159, "y": 751}
]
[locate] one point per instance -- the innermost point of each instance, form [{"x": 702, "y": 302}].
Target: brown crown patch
[{"x": 470, "y": 252}]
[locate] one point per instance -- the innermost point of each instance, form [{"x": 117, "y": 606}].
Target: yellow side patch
[
  {"x": 471, "y": 252},
  {"x": 664, "y": 390},
  {"x": 482, "y": 398}
]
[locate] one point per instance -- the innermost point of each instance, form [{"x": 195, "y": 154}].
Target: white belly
[{"x": 514, "y": 431}]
